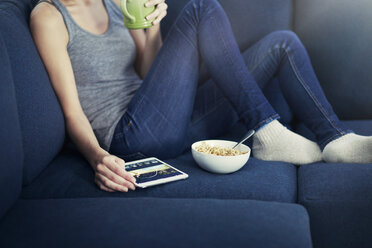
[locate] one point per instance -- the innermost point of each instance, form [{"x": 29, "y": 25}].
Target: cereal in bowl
[{"x": 216, "y": 150}]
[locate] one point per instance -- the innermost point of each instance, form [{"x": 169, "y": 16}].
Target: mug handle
[{"x": 123, "y": 6}]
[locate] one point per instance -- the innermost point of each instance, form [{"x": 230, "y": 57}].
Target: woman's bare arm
[
  {"x": 148, "y": 43},
  {"x": 51, "y": 38},
  {"x": 153, "y": 45}
]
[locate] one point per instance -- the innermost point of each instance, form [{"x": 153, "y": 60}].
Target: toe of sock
[{"x": 350, "y": 148}]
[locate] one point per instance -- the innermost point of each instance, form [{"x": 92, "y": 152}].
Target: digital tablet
[{"x": 152, "y": 171}]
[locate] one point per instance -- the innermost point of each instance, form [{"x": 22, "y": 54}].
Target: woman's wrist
[
  {"x": 153, "y": 31},
  {"x": 97, "y": 155},
  {"x": 153, "y": 38}
]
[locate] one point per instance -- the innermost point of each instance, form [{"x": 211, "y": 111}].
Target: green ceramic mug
[{"x": 135, "y": 13}]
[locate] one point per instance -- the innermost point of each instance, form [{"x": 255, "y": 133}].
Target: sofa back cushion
[
  {"x": 40, "y": 115},
  {"x": 337, "y": 34},
  {"x": 11, "y": 154},
  {"x": 250, "y": 19}
]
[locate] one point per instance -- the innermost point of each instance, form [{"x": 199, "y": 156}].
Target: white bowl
[{"x": 220, "y": 164}]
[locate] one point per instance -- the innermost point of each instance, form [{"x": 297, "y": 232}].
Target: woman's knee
[
  {"x": 283, "y": 41},
  {"x": 285, "y": 37}
]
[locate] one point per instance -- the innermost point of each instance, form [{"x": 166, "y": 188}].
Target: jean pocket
[{"x": 132, "y": 156}]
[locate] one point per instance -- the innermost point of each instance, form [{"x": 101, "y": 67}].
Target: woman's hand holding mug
[
  {"x": 140, "y": 14},
  {"x": 160, "y": 10}
]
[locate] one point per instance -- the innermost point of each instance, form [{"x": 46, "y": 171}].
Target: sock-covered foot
[
  {"x": 350, "y": 148},
  {"x": 275, "y": 142}
]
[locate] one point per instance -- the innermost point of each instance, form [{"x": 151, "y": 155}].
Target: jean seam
[{"x": 309, "y": 92}]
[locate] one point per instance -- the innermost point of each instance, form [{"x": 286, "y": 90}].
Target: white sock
[
  {"x": 350, "y": 148},
  {"x": 274, "y": 142}
]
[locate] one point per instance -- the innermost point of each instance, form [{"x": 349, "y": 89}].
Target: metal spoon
[{"x": 249, "y": 134}]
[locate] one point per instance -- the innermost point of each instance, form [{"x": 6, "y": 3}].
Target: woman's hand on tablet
[{"x": 110, "y": 174}]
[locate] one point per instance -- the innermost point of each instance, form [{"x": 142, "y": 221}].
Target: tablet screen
[{"x": 150, "y": 170}]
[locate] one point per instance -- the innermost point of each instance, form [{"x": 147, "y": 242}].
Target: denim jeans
[{"x": 170, "y": 110}]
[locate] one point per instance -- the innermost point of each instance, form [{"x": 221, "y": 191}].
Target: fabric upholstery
[
  {"x": 338, "y": 198},
  {"x": 250, "y": 20},
  {"x": 109, "y": 222},
  {"x": 10, "y": 137},
  {"x": 338, "y": 38},
  {"x": 70, "y": 176},
  {"x": 40, "y": 115}
]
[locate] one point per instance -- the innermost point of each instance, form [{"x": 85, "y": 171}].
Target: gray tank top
[{"x": 103, "y": 66}]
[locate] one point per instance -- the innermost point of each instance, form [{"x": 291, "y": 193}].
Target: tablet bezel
[{"x": 162, "y": 180}]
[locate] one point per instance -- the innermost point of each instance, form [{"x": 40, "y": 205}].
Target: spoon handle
[{"x": 249, "y": 134}]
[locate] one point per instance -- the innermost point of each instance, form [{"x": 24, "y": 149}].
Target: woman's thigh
[
  {"x": 159, "y": 113},
  {"x": 212, "y": 115}
]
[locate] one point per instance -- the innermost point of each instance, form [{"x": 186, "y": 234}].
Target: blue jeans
[{"x": 169, "y": 111}]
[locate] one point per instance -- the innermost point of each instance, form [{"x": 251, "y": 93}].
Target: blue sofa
[{"x": 49, "y": 199}]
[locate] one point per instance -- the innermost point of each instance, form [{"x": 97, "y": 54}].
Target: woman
[{"x": 96, "y": 67}]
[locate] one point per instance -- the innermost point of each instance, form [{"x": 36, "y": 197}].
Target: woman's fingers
[
  {"x": 159, "y": 18},
  {"x": 103, "y": 187},
  {"x": 117, "y": 166},
  {"x": 153, "y": 15},
  {"x": 111, "y": 175},
  {"x": 107, "y": 183},
  {"x": 159, "y": 11},
  {"x": 151, "y": 3},
  {"x": 162, "y": 6},
  {"x": 106, "y": 172}
]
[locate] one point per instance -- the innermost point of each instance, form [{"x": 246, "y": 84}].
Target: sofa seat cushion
[
  {"x": 69, "y": 175},
  {"x": 141, "y": 222},
  {"x": 339, "y": 200}
]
